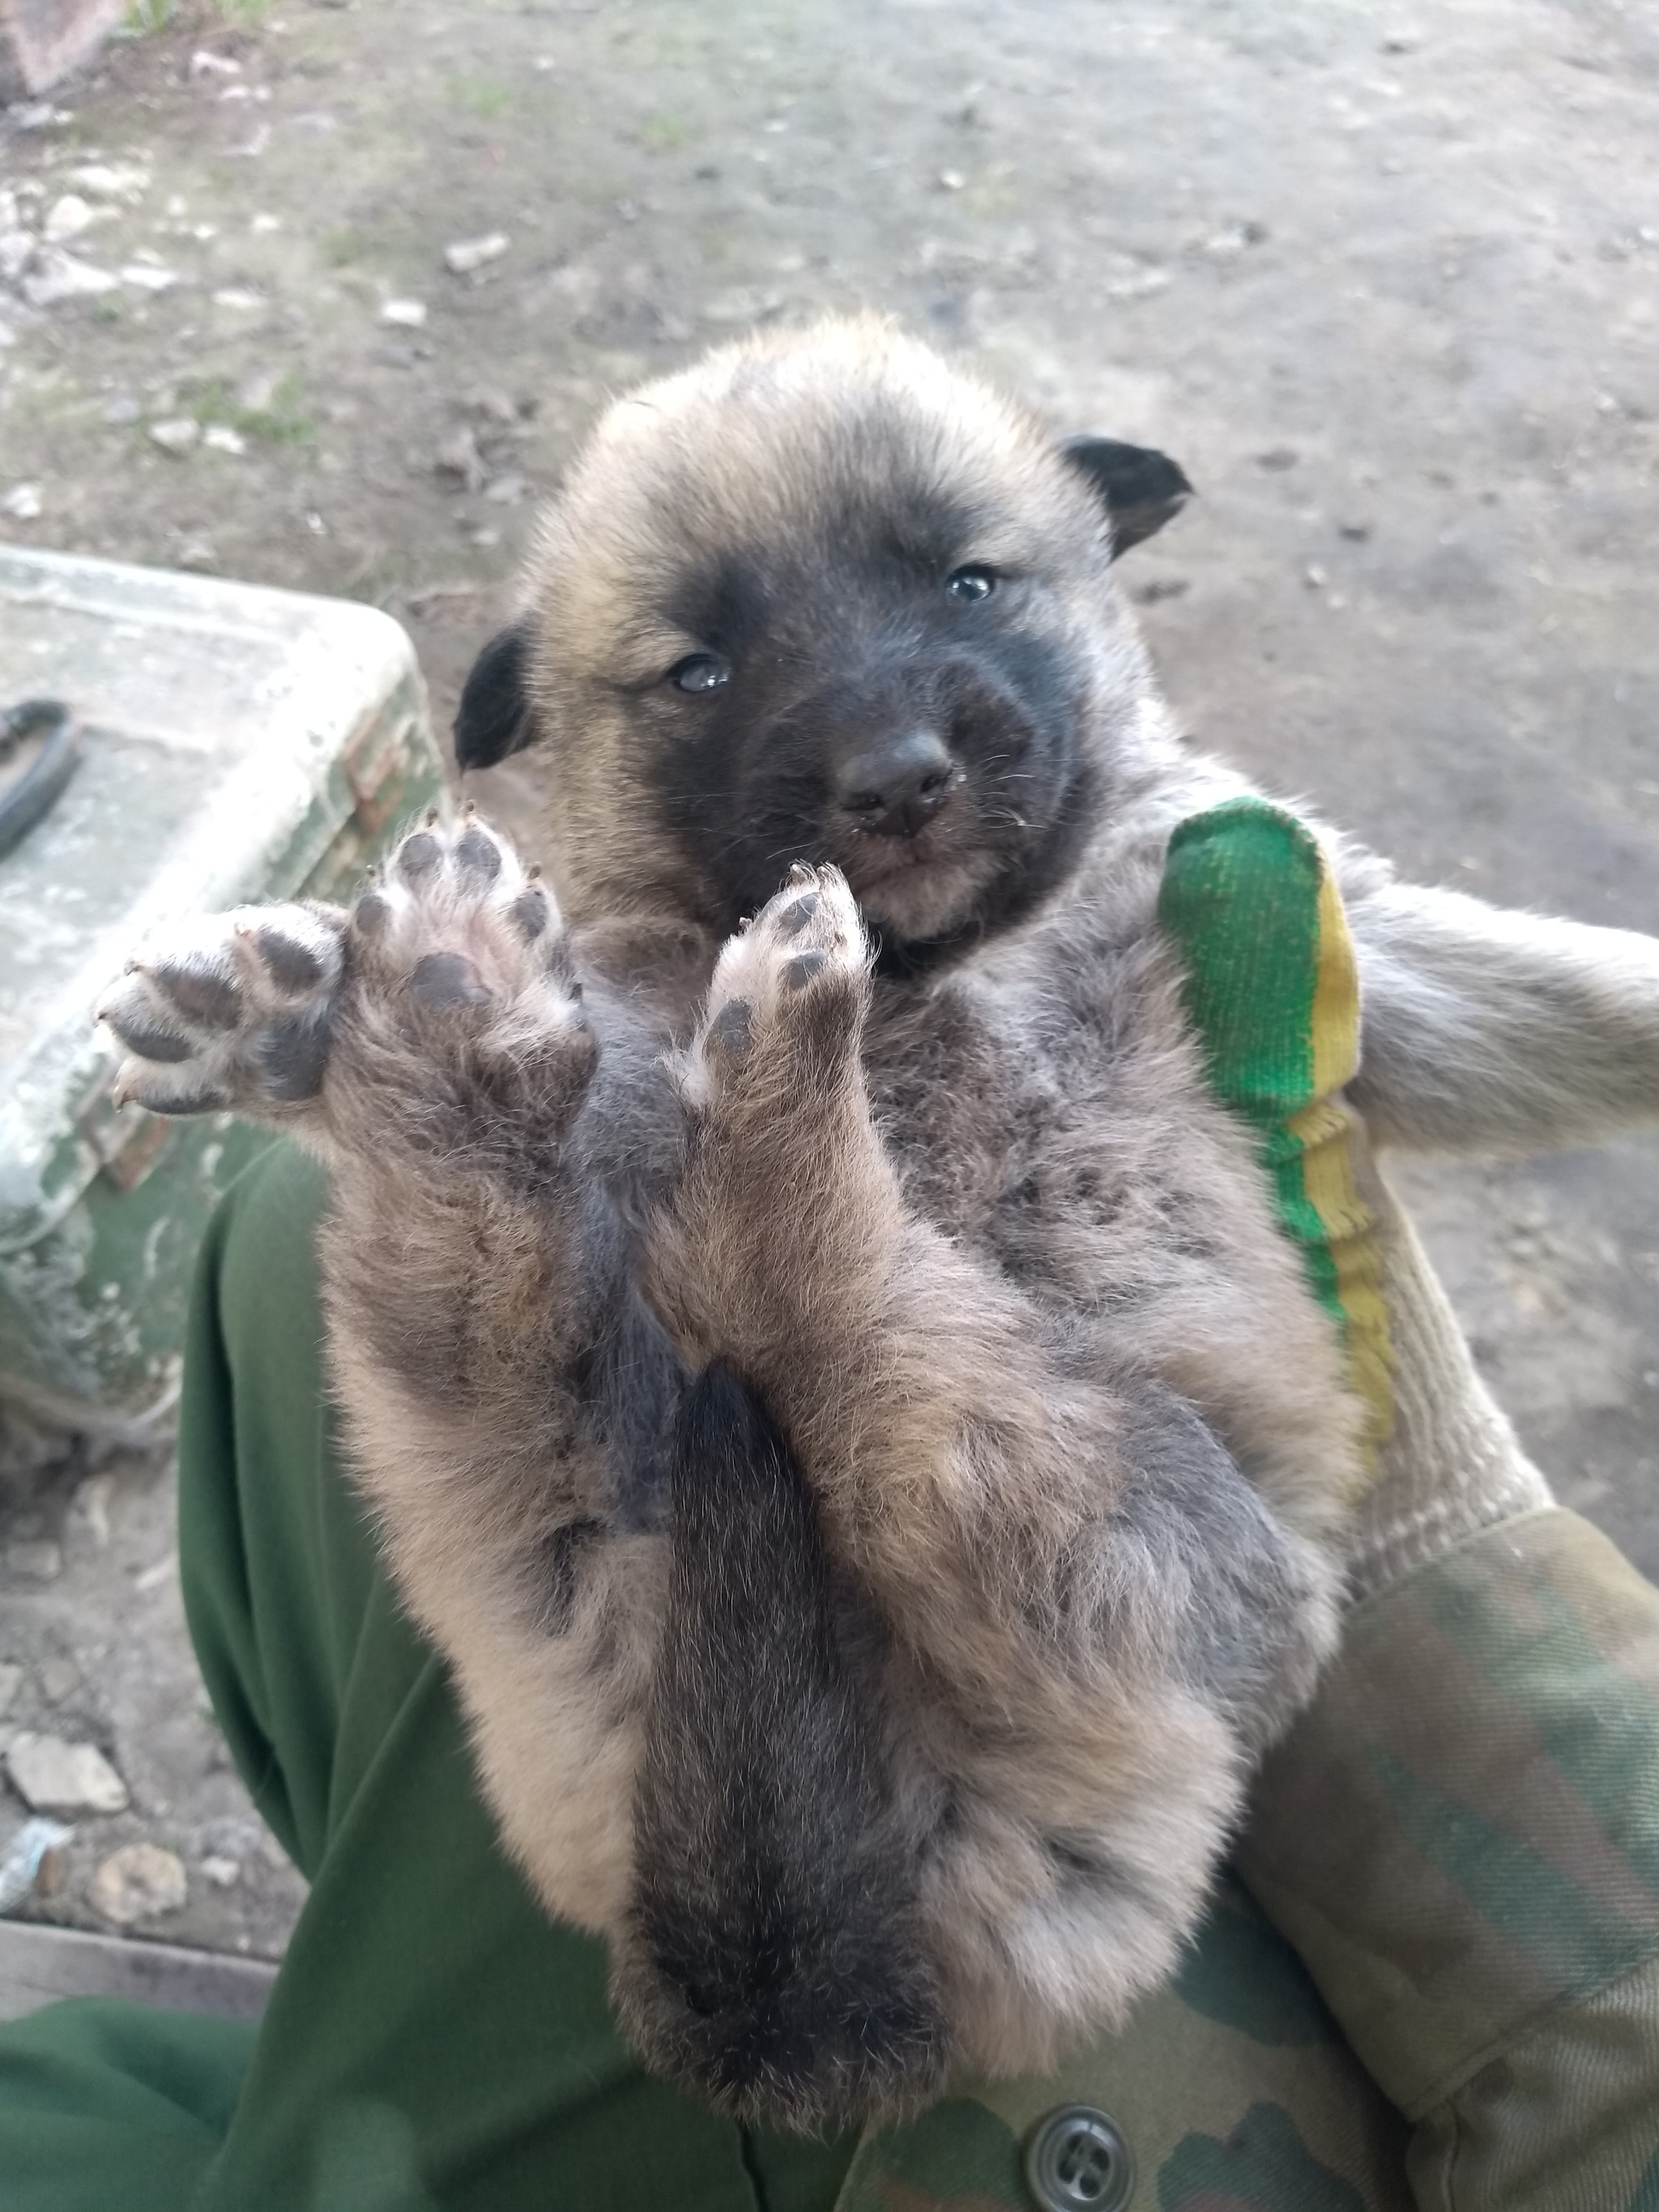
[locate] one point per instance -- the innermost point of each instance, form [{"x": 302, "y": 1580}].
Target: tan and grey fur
[{"x": 830, "y": 1382}]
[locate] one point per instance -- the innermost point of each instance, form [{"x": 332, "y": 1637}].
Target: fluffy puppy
[{"x": 830, "y": 1382}]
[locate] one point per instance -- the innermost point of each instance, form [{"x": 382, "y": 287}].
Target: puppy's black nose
[{"x": 897, "y": 785}]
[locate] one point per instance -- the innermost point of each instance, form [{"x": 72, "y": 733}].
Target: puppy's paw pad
[
  {"x": 729, "y": 1033},
  {"x": 798, "y": 972},
  {"x": 462, "y": 950},
  {"x": 447, "y": 978},
  {"x": 809, "y": 931},
  {"x": 796, "y": 978},
  {"x": 456, "y": 892},
  {"x": 228, "y": 1010}
]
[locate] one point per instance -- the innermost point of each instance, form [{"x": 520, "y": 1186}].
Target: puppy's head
[{"x": 822, "y": 597}]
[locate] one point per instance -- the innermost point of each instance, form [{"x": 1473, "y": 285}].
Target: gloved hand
[{"x": 1250, "y": 900}]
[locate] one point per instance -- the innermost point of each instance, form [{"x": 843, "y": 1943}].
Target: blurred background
[{"x": 322, "y": 296}]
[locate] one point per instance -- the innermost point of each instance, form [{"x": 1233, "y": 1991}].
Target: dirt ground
[{"x": 1387, "y": 285}]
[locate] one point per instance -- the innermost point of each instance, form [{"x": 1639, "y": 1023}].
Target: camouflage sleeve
[{"x": 1461, "y": 1838}]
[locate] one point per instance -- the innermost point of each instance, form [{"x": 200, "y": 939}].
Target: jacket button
[{"x": 1076, "y": 2160}]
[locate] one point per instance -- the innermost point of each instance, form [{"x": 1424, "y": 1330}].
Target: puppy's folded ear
[
  {"x": 494, "y": 719},
  {"x": 1140, "y": 489}
]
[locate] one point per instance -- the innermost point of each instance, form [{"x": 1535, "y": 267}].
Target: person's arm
[
  {"x": 1460, "y": 1835},
  {"x": 1488, "y": 1031}
]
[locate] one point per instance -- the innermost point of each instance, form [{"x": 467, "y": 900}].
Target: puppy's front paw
[
  {"x": 463, "y": 995},
  {"x": 788, "y": 998},
  {"x": 230, "y": 1010}
]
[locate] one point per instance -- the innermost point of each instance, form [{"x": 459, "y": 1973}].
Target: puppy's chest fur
[{"x": 1047, "y": 1106}]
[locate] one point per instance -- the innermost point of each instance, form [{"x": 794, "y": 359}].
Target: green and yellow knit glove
[{"x": 1250, "y": 902}]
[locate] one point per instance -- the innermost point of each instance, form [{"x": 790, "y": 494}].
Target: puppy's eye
[
  {"x": 700, "y": 671},
  {"x": 971, "y": 583}
]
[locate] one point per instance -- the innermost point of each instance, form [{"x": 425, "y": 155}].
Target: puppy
[{"x": 822, "y": 1362}]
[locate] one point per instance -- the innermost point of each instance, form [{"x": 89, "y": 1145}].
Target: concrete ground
[{"x": 1386, "y": 283}]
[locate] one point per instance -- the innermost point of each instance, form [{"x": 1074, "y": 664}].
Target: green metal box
[{"x": 238, "y": 744}]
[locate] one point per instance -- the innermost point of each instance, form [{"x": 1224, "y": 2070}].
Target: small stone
[
  {"x": 404, "y": 314},
  {"x": 89, "y": 1509},
  {"x": 1314, "y": 577},
  {"x": 491, "y": 405},
  {"x": 123, "y": 409},
  {"x": 52, "y": 1872},
  {"x": 239, "y": 299},
  {"x": 458, "y": 457},
  {"x": 67, "y": 218},
  {"x": 198, "y": 553},
  {"x": 258, "y": 391},
  {"x": 22, "y": 504},
  {"x": 11, "y": 1681},
  {"x": 262, "y": 225},
  {"x": 743, "y": 303},
  {"x": 57, "y": 275},
  {"x": 223, "y": 1873},
  {"x": 223, "y": 438},
  {"x": 16, "y": 251},
  {"x": 149, "y": 276},
  {"x": 204, "y": 62},
  {"x": 1277, "y": 458},
  {"x": 21, "y": 1862},
  {"x": 111, "y": 180},
  {"x": 506, "y": 490},
  {"x": 1137, "y": 282},
  {"x": 51, "y": 1776},
  {"x": 59, "y": 1679},
  {"x": 159, "y": 1572},
  {"x": 137, "y": 1883},
  {"x": 951, "y": 180},
  {"x": 469, "y": 253},
  {"x": 177, "y": 434},
  {"x": 40, "y": 1559}
]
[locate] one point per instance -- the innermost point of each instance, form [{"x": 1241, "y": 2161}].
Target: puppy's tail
[{"x": 773, "y": 1961}]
